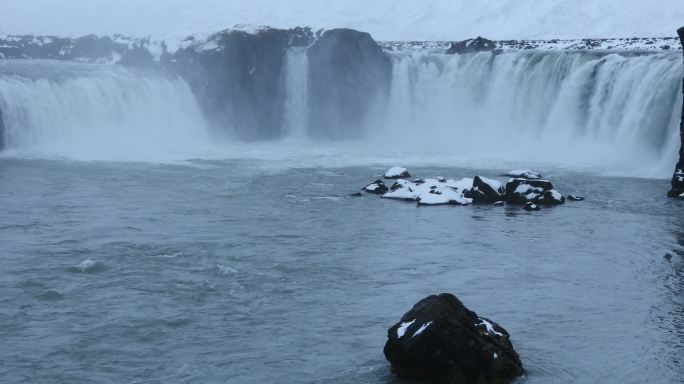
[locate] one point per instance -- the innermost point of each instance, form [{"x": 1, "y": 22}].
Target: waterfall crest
[{"x": 96, "y": 111}]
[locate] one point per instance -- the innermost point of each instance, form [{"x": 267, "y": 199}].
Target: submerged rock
[
  {"x": 377, "y": 187},
  {"x": 532, "y": 207},
  {"x": 575, "y": 198},
  {"x": 442, "y": 340},
  {"x": 397, "y": 173}
]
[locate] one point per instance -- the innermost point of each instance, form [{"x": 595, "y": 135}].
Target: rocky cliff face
[
  {"x": 348, "y": 74},
  {"x": 678, "y": 177},
  {"x": 237, "y": 77}
]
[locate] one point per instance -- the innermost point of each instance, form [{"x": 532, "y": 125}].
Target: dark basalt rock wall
[
  {"x": 349, "y": 74},
  {"x": 678, "y": 178},
  {"x": 239, "y": 81}
]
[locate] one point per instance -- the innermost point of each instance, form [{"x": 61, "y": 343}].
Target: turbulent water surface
[
  {"x": 246, "y": 271},
  {"x": 139, "y": 243}
]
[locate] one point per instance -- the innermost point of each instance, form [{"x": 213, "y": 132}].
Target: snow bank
[{"x": 384, "y": 19}]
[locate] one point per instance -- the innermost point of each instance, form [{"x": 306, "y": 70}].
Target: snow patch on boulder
[{"x": 397, "y": 173}]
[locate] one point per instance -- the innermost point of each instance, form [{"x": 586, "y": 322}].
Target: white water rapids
[
  {"x": 575, "y": 109},
  {"x": 88, "y": 111}
]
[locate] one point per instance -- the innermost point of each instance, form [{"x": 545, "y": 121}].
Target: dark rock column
[
  {"x": 349, "y": 74},
  {"x": 678, "y": 178},
  {"x": 236, "y": 78}
]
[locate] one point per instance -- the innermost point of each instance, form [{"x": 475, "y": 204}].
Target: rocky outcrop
[
  {"x": 237, "y": 77},
  {"x": 349, "y": 74},
  {"x": 523, "y": 191},
  {"x": 485, "y": 190},
  {"x": 397, "y": 173},
  {"x": 478, "y": 44},
  {"x": 678, "y": 177},
  {"x": 377, "y": 187},
  {"x": 443, "y": 341}
]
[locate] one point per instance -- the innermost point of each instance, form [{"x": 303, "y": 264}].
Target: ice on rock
[
  {"x": 422, "y": 328},
  {"x": 397, "y": 173},
  {"x": 401, "y": 331},
  {"x": 431, "y": 191},
  {"x": 488, "y": 327},
  {"x": 524, "y": 174},
  {"x": 443, "y": 196}
]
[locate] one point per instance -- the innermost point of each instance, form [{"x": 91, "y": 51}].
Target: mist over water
[
  {"x": 87, "y": 111},
  {"x": 611, "y": 112}
]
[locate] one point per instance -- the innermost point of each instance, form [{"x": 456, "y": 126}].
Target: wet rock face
[
  {"x": 238, "y": 79},
  {"x": 349, "y": 75},
  {"x": 678, "y": 177},
  {"x": 479, "y": 44},
  {"x": 443, "y": 341}
]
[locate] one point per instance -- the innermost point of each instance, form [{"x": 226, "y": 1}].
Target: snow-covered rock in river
[
  {"x": 523, "y": 191},
  {"x": 524, "y": 174},
  {"x": 443, "y": 341},
  {"x": 431, "y": 191},
  {"x": 485, "y": 190},
  {"x": 574, "y": 198},
  {"x": 377, "y": 187},
  {"x": 443, "y": 196},
  {"x": 397, "y": 173}
]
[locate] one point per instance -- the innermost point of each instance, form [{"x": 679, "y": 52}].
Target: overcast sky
[{"x": 385, "y": 19}]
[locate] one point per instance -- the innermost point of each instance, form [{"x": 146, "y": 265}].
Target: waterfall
[
  {"x": 587, "y": 108},
  {"x": 296, "y": 119},
  {"x": 576, "y": 108},
  {"x": 96, "y": 111}
]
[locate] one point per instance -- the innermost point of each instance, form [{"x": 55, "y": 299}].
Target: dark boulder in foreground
[
  {"x": 678, "y": 178},
  {"x": 479, "y": 44},
  {"x": 443, "y": 341}
]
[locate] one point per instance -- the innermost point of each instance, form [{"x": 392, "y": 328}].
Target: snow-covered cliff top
[{"x": 388, "y": 20}]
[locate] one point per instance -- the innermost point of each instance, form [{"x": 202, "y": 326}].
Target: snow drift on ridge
[{"x": 384, "y": 19}]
